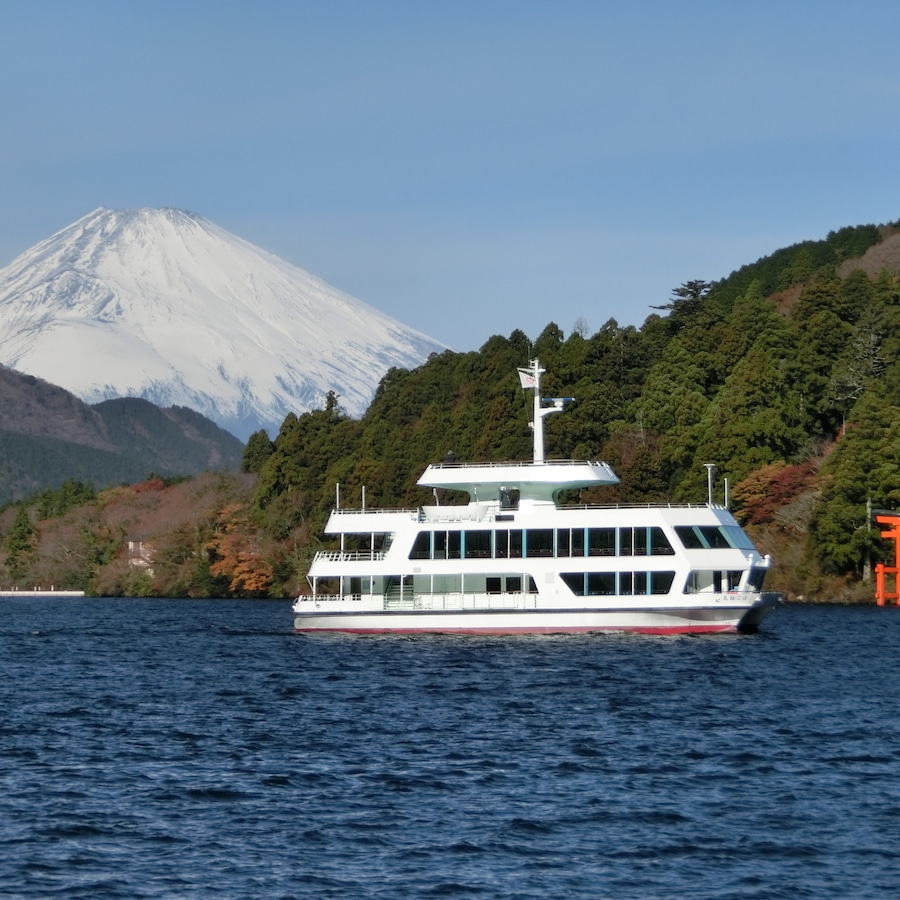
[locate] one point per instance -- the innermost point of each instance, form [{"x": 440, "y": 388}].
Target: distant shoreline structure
[{"x": 37, "y": 592}]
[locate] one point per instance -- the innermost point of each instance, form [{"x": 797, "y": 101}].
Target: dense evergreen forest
[{"x": 784, "y": 375}]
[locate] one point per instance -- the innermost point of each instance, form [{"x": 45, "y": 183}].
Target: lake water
[{"x": 170, "y": 748}]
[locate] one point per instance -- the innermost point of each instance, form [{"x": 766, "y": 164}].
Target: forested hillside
[
  {"x": 784, "y": 375},
  {"x": 48, "y": 436}
]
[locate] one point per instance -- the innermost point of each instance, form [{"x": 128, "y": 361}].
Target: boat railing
[
  {"x": 463, "y": 512},
  {"x": 519, "y": 463},
  {"x": 349, "y": 556},
  {"x": 648, "y": 505},
  {"x": 412, "y": 513},
  {"x": 460, "y": 600},
  {"x": 434, "y": 602}
]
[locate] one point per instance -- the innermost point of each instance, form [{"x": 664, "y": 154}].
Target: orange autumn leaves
[{"x": 236, "y": 553}]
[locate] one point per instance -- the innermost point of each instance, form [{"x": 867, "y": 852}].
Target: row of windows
[
  {"x": 592, "y": 584},
  {"x": 533, "y": 542},
  {"x": 568, "y": 542},
  {"x": 582, "y": 584},
  {"x": 394, "y": 585}
]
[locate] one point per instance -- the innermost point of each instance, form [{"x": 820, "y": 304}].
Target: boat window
[
  {"x": 633, "y": 542},
  {"x": 601, "y": 583},
  {"x": 508, "y": 543},
  {"x": 737, "y": 537},
  {"x": 659, "y": 543},
  {"x": 421, "y": 548},
  {"x": 328, "y": 586},
  {"x": 698, "y": 580},
  {"x": 711, "y": 580},
  {"x": 492, "y": 585},
  {"x": 714, "y": 537},
  {"x": 478, "y": 544},
  {"x": 574, "y": 581},
  {"x": 661, "y": 582},
  {"x": 397, "y": 586},
  {"x": 532, "y": 587},
  {"x": 755, "y": 579},
  {"x": 577, "y": 542},
  {"x": 353, "y": 585},
  {"x": 509, "y": 499},
  {"x": 689, "y": 537},
  {"x": 570, "y": 542},
  {"x": 640, "y": 541},
  {"x": 447, "y": 545},
  {"x": 605, "y": 583},
  {"x": 472, "y": 583},
  {"x": 539, "y": 542},
  {"x": 447, "y": 584},
  {"x": 602, "y": 541},
  {"x": 514, "y": 584}
]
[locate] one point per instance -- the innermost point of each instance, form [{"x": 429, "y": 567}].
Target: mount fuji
[{"x": 163, "y": 304}]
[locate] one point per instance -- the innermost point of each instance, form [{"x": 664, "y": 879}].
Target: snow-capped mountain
[{"x": 165, "y": 305}]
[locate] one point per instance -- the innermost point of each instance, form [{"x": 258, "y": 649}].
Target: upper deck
[
  {"x": 382, "y": 521},
  {"x": 536, "y": 483}
]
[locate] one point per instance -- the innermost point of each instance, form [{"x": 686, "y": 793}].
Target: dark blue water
[{"x": 197, "y": 749}]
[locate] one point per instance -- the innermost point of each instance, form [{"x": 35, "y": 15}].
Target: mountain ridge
[
  {"x": 166, "y": 305},
  {"x": 48, "y": 436}
]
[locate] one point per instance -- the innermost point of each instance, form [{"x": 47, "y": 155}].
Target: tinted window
[
  {"x": 421, "y": 549},
  {"x": 574, "y": 581},
  {"x": 689, "y": 537},
  {"x": 659, "y": 543},
  {"x": 602, "y": 541},
  {"x": 601, "y": 583},
  {"x": 478, "y": 544}
]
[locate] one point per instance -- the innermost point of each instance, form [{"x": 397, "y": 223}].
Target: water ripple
[{"x": 189, "y": 749}]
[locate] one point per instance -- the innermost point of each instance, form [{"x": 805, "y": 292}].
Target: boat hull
[{"x": 659, "y": 620}]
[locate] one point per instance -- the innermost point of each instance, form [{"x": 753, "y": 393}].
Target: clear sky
[{"x": 467, "y": 167}]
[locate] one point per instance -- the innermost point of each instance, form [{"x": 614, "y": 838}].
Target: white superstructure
[{"x": 515, "y": 560}]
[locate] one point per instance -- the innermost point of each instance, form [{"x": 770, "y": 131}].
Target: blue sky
[{"x": 469, "y": 167}]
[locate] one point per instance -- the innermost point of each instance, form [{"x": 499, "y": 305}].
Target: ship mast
[{"x": 531, "y": 380}]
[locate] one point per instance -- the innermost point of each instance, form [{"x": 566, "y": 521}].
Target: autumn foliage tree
[{"x": 237, "y": 553}]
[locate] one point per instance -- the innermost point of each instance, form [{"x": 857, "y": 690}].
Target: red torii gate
[{"x": 882, "y": 594}]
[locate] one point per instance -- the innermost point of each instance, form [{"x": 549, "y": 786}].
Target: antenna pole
[
  {"x": 710, "y": 468},
  {"x": 531, "y": 379},
  {"x": 538, "y": 418}
]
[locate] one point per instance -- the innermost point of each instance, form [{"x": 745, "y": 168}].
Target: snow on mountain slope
[{"x": 165, "y": 305}]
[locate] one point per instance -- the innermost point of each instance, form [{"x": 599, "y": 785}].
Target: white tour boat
[{"x": 514, "y": 560}]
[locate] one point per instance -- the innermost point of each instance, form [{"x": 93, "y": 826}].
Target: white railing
[
  {"x": 519, "y": 463},
  {"x": 437, "y": 602},
  {"x": 412, "y": 513},
  {"x": 462, "y": 512},
  {"x": 345, "y": 556}
]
